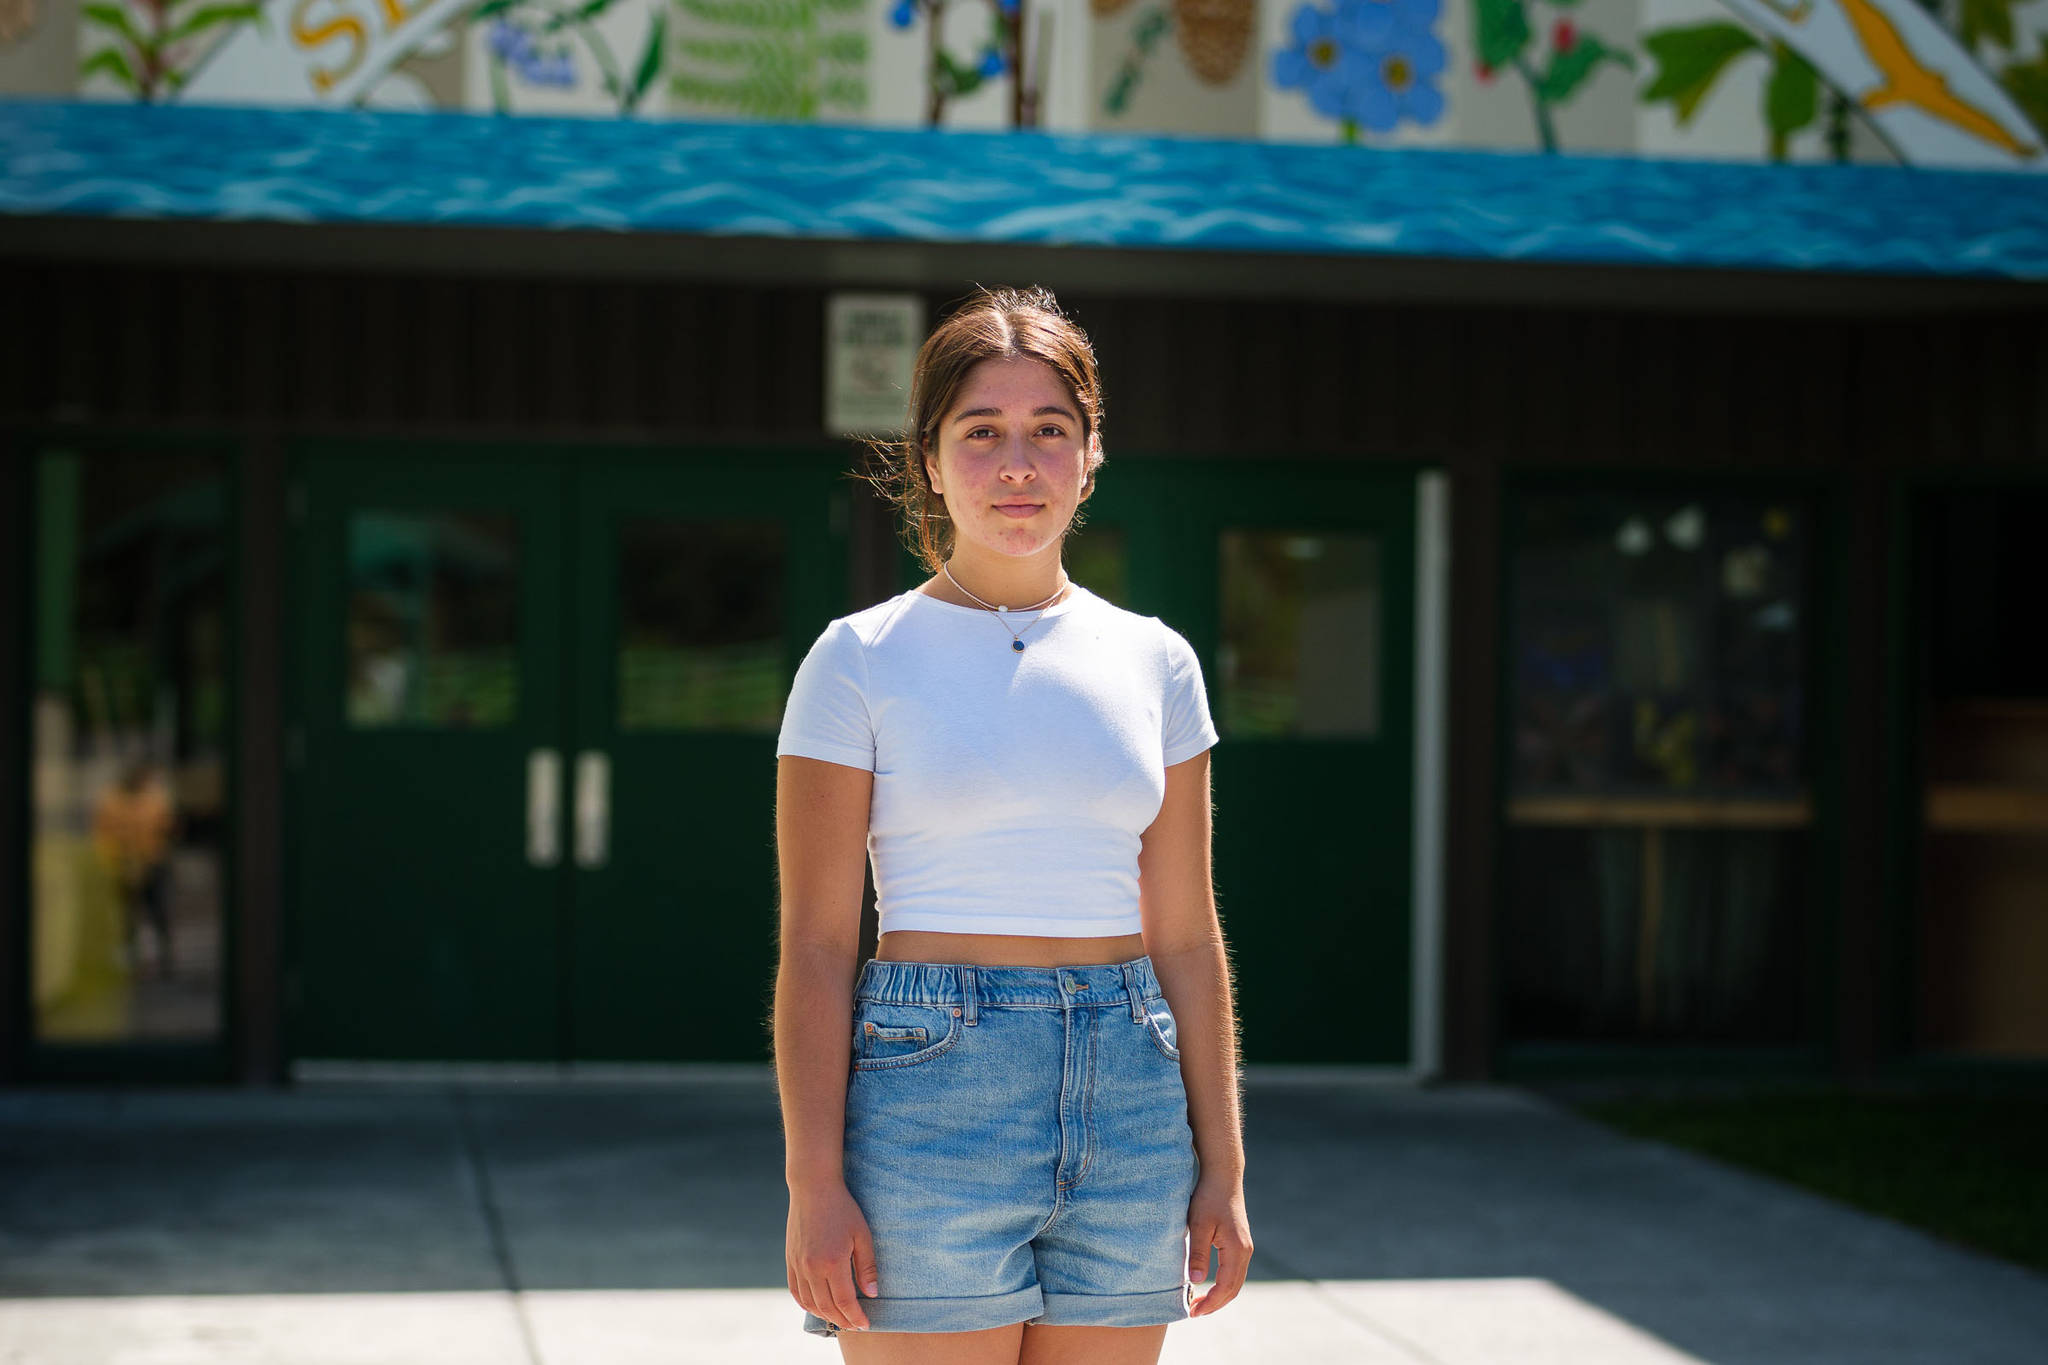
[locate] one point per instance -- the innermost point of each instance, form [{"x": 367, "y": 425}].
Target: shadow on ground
[{"x": 1461, "y": 1224}]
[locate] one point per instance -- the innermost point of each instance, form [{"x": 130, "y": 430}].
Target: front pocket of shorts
[
  {"x": 1159, "y": 1025},
  {"x": 886, "y": 1036}
]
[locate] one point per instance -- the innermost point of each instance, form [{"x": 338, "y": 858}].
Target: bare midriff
[{"x": 1007, "y": 950}]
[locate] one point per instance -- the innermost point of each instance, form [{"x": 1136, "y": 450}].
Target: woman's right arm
[{"x": 821, "y": 828}]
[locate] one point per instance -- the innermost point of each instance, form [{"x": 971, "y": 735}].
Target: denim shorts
[{"x": 1018, "y": 1140}]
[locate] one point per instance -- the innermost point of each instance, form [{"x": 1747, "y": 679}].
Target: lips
[{"x": 1018, "y": 509}]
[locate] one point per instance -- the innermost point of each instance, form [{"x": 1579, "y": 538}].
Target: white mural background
[{"x": 1753, "y": 80}]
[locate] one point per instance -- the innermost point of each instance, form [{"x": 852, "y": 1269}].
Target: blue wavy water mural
[{"x": 883, "y": 184}]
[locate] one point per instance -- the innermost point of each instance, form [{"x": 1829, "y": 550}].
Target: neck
[{"x": 1013, "y": 585}]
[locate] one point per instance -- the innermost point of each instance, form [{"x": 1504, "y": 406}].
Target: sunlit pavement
[{"x": 352, "y": 1223}]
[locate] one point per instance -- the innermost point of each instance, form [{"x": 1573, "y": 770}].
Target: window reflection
[
  {"x": 1658, "y": 808},
  {"x": 701, "y": 629},
  {"x": 1300, "y": 648},
  {"x": 129, "y": 746},
  {"x": 433, "y": 604}
]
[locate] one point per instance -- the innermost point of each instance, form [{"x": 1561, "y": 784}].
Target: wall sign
[{"x": 871, "y": 343}]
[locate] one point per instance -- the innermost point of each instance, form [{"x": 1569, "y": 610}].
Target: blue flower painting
[
  {"x": 515, "y": 47},
  {"x": 1366, "y": 63}
]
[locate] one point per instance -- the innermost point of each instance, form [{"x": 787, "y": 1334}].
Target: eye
[{"x": 1053, "y": 427}]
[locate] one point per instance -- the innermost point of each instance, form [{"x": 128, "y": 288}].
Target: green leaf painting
[
  {"x": 1981, "y": 19},
  {"x": 154, "y": 51},
  {"x": 650, "y": 59},
  {"x": 111, "y": 61},
  {"x": 1153, "y": 24},
  {"x": 2027, "y": 83},
  {"x": 117, "y": 18},
  {"x": 211, "y": 16},
  {"x": 1503, "y": 31},
  {"x": 1692, "y": 58},
  {"x": 1503, "y": 39},
  {"x": 1791, "y": 97},
  {"x": 1568, "y": 69},
  {"x": 1689, "y": 61},
  {"x": 770, "y": 59}
]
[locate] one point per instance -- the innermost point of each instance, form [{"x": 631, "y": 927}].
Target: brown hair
[{"x": 986, "y": 325}]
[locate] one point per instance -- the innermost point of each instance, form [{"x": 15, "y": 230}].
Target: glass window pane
[
  {"x": 1658, "y": 851},
  {"x": 433, "y": 608},
  {"x": 1981, "y": 950},
  {"x": 129, "y": 747},
  {"x": 701, "y": 625},
  {"x": 1656, "y": 645},
  {"x": 1300, "y": 651}
]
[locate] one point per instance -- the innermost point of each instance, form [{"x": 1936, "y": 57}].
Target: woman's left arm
[{"x": 1184, "y": 939}]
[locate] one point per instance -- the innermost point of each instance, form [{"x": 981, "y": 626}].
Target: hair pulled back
[{"x": 988, "y": 324}]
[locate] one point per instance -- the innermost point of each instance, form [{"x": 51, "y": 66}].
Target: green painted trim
[
  {"x": 1904, "y": 606},
  {"x": 16, "y": 493},
  {"x": 1824, "y": 637},
  {"x": 53, "y": 580}
]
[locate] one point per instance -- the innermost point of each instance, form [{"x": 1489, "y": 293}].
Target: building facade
[{"x": 1611, "y": 568}]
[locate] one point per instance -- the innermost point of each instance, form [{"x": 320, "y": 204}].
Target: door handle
[
  {"x": 593, "y": 808},
  {"x": 543, "y": 808}
]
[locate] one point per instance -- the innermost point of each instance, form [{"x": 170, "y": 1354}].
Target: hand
[
  {"x": 1216, "y": 1218},
  {"x": 828, "y": 1246}
]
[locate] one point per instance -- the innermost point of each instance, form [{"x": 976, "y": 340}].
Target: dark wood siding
[{"x": 665, "y": 359}]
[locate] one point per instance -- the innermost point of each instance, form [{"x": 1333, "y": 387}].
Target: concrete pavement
[{"x": 491, "y": 1223}]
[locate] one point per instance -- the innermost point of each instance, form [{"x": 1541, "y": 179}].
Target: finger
[
  {"x": 1232, "y": 1265},
  {"x": 1198, "y": 1255},
  {"x": 840, "y": 1287},
  {"x": 805, "y": 1298},
  {"x": 820, "y": 1304},
  {"x": 864, "y": 1262}
]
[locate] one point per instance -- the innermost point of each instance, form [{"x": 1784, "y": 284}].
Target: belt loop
[
  {"x": 1131, "y": 989},
  {"x": 969, "y": 989}
]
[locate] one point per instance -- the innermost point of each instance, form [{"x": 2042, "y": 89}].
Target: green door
[
  {"x": 698, "y": 588},
  {"x": 1295, "y": 583},
  {"x": 534, "y": 799}
]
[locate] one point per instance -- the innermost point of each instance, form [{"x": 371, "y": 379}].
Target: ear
[
  {"x": 1094, "y": 465},
  {"x": 931, "y": 473}
]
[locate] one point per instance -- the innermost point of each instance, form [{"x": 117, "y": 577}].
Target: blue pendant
[{"x": 1017, "y": 645}]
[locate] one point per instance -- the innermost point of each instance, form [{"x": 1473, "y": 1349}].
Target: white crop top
[{"x": 1011, "y": 789}]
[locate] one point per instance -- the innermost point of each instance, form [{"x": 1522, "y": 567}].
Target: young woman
[{"x": 1033, "y": 1143}]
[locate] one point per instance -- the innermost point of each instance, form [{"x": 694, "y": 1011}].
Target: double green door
[
  {"x": 1295, "y": 583},
  {"x": 533, "y": 754}
]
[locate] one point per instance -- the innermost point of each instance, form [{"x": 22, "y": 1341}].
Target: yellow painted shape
[{"x": 1906, "y": 81}]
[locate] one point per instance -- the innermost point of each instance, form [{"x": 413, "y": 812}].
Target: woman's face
[{"x": 1011, "y": 462}]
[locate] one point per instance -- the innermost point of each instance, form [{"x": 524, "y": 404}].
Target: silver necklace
[{"x": 1003, "y": 613}]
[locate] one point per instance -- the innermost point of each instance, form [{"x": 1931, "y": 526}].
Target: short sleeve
[
  {"x": 826, "y": 715},
  {"x": 1186, "y": 729}
]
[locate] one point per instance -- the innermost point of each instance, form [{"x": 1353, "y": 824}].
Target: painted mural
[{"x": 1959, "y": 83}]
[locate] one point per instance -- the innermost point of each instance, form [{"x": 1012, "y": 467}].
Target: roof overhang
[{"x": 839, "y": 204}]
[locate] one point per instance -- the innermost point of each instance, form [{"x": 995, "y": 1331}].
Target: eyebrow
[{"x": 1049, "y": 410}]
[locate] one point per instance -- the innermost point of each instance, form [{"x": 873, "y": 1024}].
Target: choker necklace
[{"x": 1003, "y": 613}]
